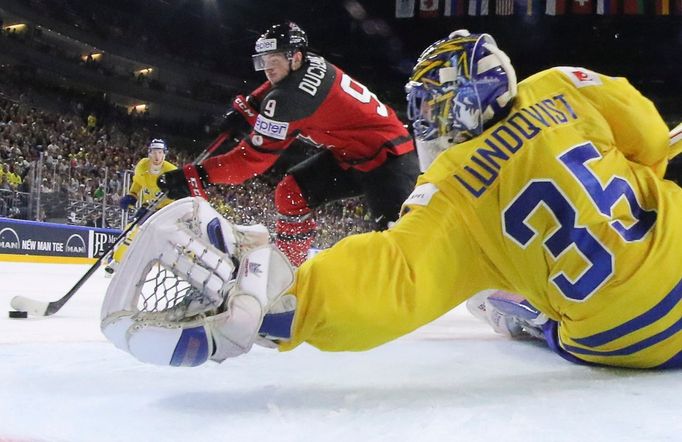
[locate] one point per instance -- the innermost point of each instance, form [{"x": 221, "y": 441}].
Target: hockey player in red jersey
[{"x": 365, "y": 149}]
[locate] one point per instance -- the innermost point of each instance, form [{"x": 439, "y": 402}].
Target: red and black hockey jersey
[{"x": 325, "y": 107}]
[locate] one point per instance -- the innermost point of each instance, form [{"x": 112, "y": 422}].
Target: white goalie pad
[{"x": 176, "y": 272}]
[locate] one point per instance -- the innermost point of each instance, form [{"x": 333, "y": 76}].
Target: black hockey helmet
[{"x": 285, "y": 37}]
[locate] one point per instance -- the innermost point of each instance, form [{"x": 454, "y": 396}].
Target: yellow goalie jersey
[
  {"x": 562, "y": 201},
  {"x": 144, "y": 185}
]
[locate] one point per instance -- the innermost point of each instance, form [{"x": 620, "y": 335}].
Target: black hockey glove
[
  {"x": 239, "y": 119},
  {"x": 230, "y": 121},
  {"x": 188, "y": 181}
]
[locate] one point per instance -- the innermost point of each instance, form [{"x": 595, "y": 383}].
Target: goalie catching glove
[{"x": 176, "y": 299}]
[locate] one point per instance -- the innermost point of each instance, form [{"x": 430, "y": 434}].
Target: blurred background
[{"x": 85, "y": 84}]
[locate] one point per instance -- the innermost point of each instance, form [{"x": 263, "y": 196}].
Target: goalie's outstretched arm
[
  {"x": 366, "y": 290},
  {"x": 372, "y": 288}
]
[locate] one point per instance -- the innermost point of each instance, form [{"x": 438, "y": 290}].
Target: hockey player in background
[
  {"x": 554, "y": 190},
  {"x": 365, "y": 149},
  {"x": 144, "y": 189}
]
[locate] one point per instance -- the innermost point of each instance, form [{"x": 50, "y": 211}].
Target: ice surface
[{"x": 453, "y": 380}]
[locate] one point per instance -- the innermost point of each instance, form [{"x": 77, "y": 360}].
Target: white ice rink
[{"x": 453, "y": 380}]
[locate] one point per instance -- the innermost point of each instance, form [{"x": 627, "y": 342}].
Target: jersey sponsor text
[{"x": 271, "y": 128}]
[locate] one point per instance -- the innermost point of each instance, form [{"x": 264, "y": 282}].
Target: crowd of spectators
[
  {"x": 253, "y": 202},
  {"x": 77, "y": 164},
  {"x": 77, "y": 161}
]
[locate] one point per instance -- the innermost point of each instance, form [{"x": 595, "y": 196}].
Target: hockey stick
[{"x": 42, "y": 308}]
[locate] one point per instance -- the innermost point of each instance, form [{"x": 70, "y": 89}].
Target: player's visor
[{"x": 270, "y": 60}]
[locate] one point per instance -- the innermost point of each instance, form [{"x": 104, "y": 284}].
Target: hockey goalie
[
  {"x": 193, "y": 287},
  {"x": 567, "y": 207}
]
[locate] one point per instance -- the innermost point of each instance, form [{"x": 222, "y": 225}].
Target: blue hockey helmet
[{"x": 459, "y": 84}]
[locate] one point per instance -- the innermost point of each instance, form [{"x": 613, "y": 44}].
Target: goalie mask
[
  {"x": 458, "y": 86},
  {"x": 285, "y": 38}
]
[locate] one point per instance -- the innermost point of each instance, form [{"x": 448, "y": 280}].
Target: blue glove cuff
[{"x": 127, "y": 201}]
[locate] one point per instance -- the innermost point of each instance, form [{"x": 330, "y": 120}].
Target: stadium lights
[
  {"x": 144, "y": 72},
  {"x": 138, "y": 108},
  {"x": 94, "y": 56},
  {"x": 19, "y": 27}
]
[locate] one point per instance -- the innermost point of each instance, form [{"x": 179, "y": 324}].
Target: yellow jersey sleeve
[
  {"x": 144, "y": 185},
  {"x": 638, "y": 129},
  {"x": 372, "y": 288}
]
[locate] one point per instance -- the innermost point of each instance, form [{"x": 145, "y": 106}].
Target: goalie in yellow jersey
[
  {"x": 551, "y": 189},
  {"x": 143, "y": 189}
]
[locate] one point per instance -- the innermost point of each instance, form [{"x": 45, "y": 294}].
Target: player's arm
[
  {"x": 167, "y": 166},
  {"x": 242, "y": 112},
  {"x": 371, "y": 288},
  {"x": 366, "y": 290},
  {"x": 221, "y": 313},
  {"x": 130, "y": 199},
  {"x": 155, "y": 190},
  {"x": 254, "y": 154},
  {"x": 244, "y": 161},
  {"x": 639, "y": 130},
  {"x": 137, "y": 183}
]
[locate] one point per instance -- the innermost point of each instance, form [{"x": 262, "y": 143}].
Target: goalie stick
[{"x": 44, "y": 308}]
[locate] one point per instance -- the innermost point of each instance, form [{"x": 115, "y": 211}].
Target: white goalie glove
[{"x": 177, "y": 299}]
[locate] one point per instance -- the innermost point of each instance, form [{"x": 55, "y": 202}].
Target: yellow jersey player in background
[
  {"x": 147, "y": 170},
  {"x": 552, "y": 189},
  {"x": 143, "y": 189}
]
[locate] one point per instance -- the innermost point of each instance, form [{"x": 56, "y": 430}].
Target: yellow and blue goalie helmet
[{"x": 459, "y": 86}]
